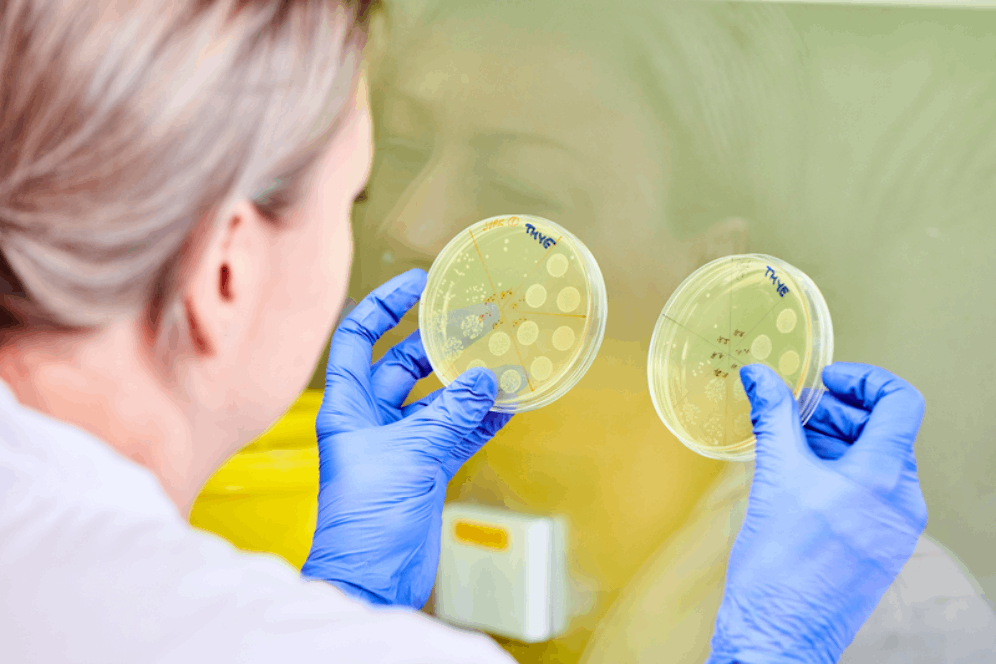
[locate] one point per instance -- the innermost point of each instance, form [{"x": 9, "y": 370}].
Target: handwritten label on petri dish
[
  {"x": 546, "y": 241},
  {"x": 719, "y": 373},
  {"x": 781, "y": 288},
  {"x": 505, "y": 222}
]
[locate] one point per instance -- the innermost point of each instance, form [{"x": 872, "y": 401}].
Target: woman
[
  {"x": 162, "y": 312},
  {"x": 169, "y": 275}
]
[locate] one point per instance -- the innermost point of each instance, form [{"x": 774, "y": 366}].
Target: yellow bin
[{"x": 266, "y": 497}]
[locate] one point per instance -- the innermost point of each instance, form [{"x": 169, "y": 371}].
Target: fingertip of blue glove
[
  {"x": 407, "y": 286},
  {"x": 763, "y": 386},
  {"x": 417, "y": 277},
  {"x": 472, "y": 394},
  {"x": 481, "y": 382},
  {"x": 750, "y": 375}
]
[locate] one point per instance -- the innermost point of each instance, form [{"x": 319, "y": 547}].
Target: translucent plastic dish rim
[
  {"x": 597, "y": 302},
  {"x": 821, "y": 354}
]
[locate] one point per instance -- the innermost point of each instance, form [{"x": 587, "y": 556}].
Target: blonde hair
[{"x": 126, "y": 124}]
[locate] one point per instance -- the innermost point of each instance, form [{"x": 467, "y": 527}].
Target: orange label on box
[{"x": 479, "y": 534}]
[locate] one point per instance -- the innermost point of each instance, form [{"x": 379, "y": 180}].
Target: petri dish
[
  {"x": 729, "y": 313},
  {"x": 522, "y": 296}
]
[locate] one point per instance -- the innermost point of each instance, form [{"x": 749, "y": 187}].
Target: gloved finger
[
  {"x": 469, "y": 446},
  {"x": 775, "y": 415},
  {"x": 826, "y": 447},
  {"x": 394, "y": 375},
  {"x": 837, "y": 419},
  {"x": 882, "y": 450},
  {"x": 490, "y": 425},
  {"x": 416, "y": 406},
  {"x": 896, "y": 406},
  {"x": 352, "y": 344},
  {"x": 457, "y": 411}
]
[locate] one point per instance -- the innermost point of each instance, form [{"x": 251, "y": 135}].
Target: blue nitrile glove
[
  {"x": 383, "y": 467},
  {"x": 823, "y": 538}
]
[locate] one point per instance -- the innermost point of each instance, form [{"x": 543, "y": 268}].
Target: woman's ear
[
  {"x": 724, "y": 238},
  {"x": 223, "y": 288}
]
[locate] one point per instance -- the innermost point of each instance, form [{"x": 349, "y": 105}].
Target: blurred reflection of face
[
  {"x": 472, "y": 124},
  {"x": 476, "y": 119}
]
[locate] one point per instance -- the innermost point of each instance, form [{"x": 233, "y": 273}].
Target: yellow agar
[
  {"x": 541, "y": 303},
  {"x": 734, "y": 316}
]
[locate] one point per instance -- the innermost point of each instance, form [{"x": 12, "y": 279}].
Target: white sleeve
[
  {"x": 109, "y": 572},
  {"x": 161, "y": 595},
  {"x": 252, "y": 608}
]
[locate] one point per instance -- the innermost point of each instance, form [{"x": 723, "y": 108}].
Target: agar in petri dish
[
  {"x": 732, "y": 312},
  {"x": 522, "y": 296}
]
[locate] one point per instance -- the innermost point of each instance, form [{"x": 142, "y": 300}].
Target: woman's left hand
[
  {"x": 384, "y": 466},
  {"x": 835, "y": 511}
]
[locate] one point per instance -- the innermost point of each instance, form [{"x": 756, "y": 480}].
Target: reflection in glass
[{"x": 855, "y": 143}]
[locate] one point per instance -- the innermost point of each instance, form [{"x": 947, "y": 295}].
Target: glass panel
[{"x": 856, "y": 143}]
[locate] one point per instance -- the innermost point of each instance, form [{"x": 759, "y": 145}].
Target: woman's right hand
[
  {"x": 823, "y": 537},
  {"x": 384, "y": 465}
]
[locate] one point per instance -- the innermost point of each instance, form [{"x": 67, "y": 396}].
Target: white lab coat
[{"x": 96, "y": 565}]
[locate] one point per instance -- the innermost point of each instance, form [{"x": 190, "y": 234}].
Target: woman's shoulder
[{"x": 44, "y": 461}]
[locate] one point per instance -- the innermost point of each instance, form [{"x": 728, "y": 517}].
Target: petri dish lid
[
  {"x": 520, "y": 295},
  {"x": 729, "y": 313}
]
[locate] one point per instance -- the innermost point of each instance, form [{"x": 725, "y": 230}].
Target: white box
[{"x": 503, "y": 572}]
